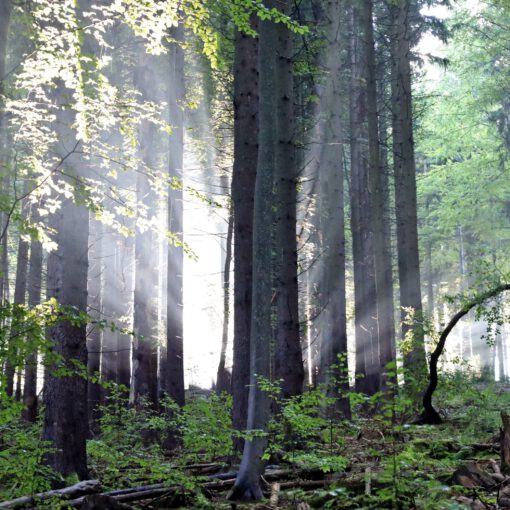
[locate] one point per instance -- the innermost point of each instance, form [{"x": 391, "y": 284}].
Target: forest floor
[{"x": 375, "y": 461}]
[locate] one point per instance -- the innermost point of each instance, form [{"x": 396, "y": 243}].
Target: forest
[{"x": 255, "y": 254}]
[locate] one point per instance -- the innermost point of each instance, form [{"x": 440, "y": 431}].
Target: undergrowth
[{"x": 377, "y": 460}]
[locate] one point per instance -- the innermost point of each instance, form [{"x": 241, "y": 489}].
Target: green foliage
[
  {"x": 129, "y": 447},
  {"x": 22, "y": 451},
  {"x": 207, "y": 428}
]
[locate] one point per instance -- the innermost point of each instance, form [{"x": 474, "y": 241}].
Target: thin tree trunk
[
  {"x": 430, "y": 415},
  {"x": 243, "y": 186},
  {"x": 124, "y": 262},
  {"x": 223, "y": 382},
  {"x": 34, "y": 298},
  {"x": 109, "y": 305},
  {"x": 175, "y": 262},
  {"x": 20, "y": 289},
  {"x": 94, "y": 332}
]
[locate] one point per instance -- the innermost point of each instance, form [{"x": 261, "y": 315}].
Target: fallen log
[
  {"x": 80, "y": 489},
  {"x": 216, "y": 483},
  {"x": 102, "y": 502}
]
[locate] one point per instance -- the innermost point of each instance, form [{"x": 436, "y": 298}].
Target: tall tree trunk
[
  {"x": 247, "y": 485},
  {"x": 5, "y": 14},
  {"x": 94, "y": 332},
  {"x": 243, "y": 186},
  {"x": 289, "y": 358},
  {"x": 223, "y": 382},
  {"x": 20, "y": 289},
  {"x": 365, "y": 309},
  {"x": 379, "y": 196},
  {"x": 331, "y": 136},
  {"x": 109, "y": 305},
  {"x": 175, "y": 261},
  {"x": 405, "y": 188},
  {"x": 124, "y": 263},
  {"x": 65, "y": 397},
  {"x": 34, "y": 298},
  {"x": 145, "y": 385}
]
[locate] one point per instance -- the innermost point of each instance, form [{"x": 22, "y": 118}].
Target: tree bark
[
  {"x": 124, "y": 263},
  {"x": 379, "y": 199},
  {"x": 223, "y": 383},
  {"x": 331, "y": 160},
  {"x": 20, "y": 288},
  {"x": 145, "y": 385},
  {"x": 247, "y": 486},
  {"x": 94, "y": 332},
  {"x": 288, "y": 356},
  {"x": 246, "y": 128},
  {"x": 405, "y": 188},
  {"x": 365, "y": 294},
  {"x": 65, "y": 397},
  {"x": 175, "y": 262},
  {"x": 34, "y": 298}
]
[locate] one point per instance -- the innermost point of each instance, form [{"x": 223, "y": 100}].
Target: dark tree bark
[
  {"x": 247, "y": 486},
  {"x": 365, "y": 295},
  {"x": 175, "y": 261},
  {"x": 65, "y": 397},
  {"x": 288, "y": 355},
  {"x": 34, "y": 298},
  {"x": 405, "y": 187},
  {"x": 94, "y": 332},
  {"x": 20, "y": 288},
  {"x": 223, "y": 383},
  {"x": 378, "y": 189},
  {"x": 243, "y": 186}
]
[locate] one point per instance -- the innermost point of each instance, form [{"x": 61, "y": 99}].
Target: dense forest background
[{"x": 254, "y": 250}]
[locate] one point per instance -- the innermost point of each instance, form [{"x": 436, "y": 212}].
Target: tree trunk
[
  {"x": 379, "y": 199},
  {"x": 109, "y": 305},
  {"x": 405, "y": 189},
  {"x": 65, "y": 397},
  {"x": 94, "y": 332},
  {"x": 430, "y": 415},
  {"x": 247, "y": 486},
  {"x": 124, "y": 263},
  {"x": 223, "y": 383},
  {"x": 288, "y": 355},
  {"x": 365, "y": 309},
  {"x": 175, "y": 263},
  {"x": 34, "y": 298},
  {"x": 145, "y": 385},
  {"x": 20, "y": 288},
  {"x": 331, "y": 135},
  {"x": 243, "y": 186}
]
